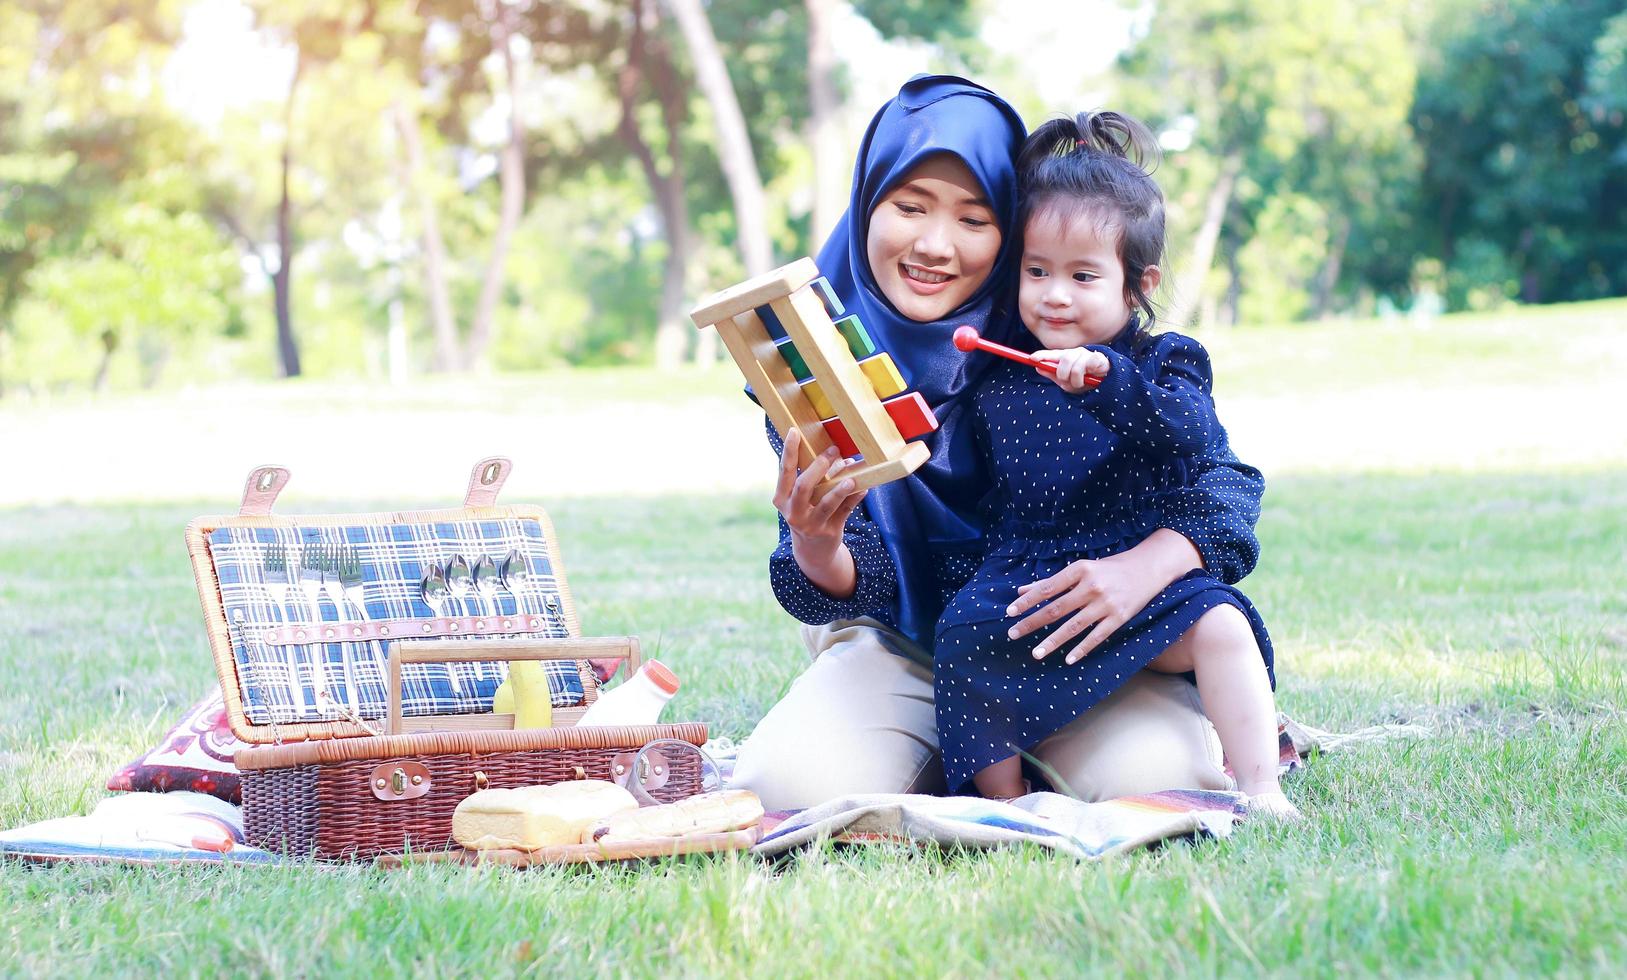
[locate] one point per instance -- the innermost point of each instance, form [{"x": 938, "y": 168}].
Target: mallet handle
[{"x": 1029, "y": 359}]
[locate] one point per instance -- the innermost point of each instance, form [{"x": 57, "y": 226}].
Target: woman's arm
[
  {"x": 1104, "y": 593},
  {"x": 830, "y": 563}
]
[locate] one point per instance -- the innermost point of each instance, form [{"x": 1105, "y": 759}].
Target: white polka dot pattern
[{"x": 1079, "y": 477}]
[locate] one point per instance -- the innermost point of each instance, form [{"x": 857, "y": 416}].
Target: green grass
[{"x": 1488, "y": 606}]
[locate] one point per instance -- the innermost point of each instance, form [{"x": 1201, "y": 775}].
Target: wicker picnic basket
[{"x": 345, "y": 763}]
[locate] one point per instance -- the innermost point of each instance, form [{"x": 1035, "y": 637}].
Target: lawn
[{"x": 1437, "y": 574}]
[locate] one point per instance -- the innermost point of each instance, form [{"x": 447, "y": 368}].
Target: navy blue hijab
[{"x": 934, "y": 509}]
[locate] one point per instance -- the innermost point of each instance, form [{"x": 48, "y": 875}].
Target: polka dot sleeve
[
  {"x": 877, "y": 583},
  {"x": 1215, "y": 507},
  {"x": 1160, "y": 400}
]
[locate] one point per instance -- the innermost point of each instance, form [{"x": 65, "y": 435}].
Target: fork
[
  {"x": 350, "y": 577},
  {"x": 310, "y": 578},
  {"x": 281, "y": 570},
  {"x": 330, "y": 579},
  {"x": 312, "y": 561},
  {"x": 277, "y": 579},
  {"x": 347, "y": 566}
]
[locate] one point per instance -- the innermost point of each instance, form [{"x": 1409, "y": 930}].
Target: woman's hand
[
  {"x": 1074, "y": 365},
  {"x": 817, "y": 526},
  {"x": 1105, "y": 593}
]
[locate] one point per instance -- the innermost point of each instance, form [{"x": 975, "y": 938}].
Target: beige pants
[{"x": 860, "y": 720}]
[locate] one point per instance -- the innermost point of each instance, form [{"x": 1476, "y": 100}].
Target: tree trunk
[
  {"x": 734, "y": 142},
  {"x": 1329, "y": 279},
  {"x": 646, "y": 62},
  {"x": 1189, "y": 289},
  {"x": 511, "y": 184},
  {"x": 442, "y": 325},
  {"x": 824, "y": 136},
  {"x": 281, "y": 285},
  {"x": 1231, "y": 309},
  {"x": 110, "y": 343},
  {"x": 1530, "y": 281}
]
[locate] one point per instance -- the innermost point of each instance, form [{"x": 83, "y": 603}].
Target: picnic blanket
[
  {"x": 159, "y": 828},
  {"x": 141, "y": 828},
  {"x": 1049, "y": 820}
]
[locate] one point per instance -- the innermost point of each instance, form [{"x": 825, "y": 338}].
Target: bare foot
[{"x": 1274, "y": 806}]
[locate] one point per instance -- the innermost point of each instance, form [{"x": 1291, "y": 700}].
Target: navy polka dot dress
[{"x": 1075, "y": 477}]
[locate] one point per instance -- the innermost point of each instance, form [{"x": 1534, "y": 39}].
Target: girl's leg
[
  {"x": 1221, "y": 650},
  {"x": 1003, "y": 780}
]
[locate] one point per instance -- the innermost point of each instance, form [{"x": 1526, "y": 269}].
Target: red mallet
[{"x": 967, "y": 339}]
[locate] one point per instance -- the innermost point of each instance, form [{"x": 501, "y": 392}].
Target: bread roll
[
  {"x": 709, "y": 813},
  {"x": 533, "y": 817}
]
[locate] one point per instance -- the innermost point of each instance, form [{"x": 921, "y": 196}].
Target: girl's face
[
  {"x": 933, "y": 239},
  {"x": 1072, "y": 291}
]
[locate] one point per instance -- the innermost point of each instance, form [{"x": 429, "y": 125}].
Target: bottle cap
[{"x": 660, "y": 675}]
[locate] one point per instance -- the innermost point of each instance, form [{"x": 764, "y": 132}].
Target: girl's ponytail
[{"x": 1100, "y": 131}]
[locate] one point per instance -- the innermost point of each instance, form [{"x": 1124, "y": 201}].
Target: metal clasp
[{"x": 400, "y": 781}]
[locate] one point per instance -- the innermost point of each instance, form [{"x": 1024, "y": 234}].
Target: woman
[{"x": 928, "y": 245}]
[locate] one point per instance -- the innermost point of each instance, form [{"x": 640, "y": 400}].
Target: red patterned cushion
[{"x": 195, "y": 755}]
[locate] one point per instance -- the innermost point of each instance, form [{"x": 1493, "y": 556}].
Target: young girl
[{"x": 1081, "y": 459}]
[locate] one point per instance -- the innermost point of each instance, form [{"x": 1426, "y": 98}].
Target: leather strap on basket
[
  {"x": 261, "y": 490},
  {"x": 486, "y": 481}
]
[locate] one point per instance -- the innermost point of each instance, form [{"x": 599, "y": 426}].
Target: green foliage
[
  {"x": 1526, "y": 146},
  {"x": 1312, "y": 102},
  {"x": 1390, "y": 152},
  {"x": 587, "y": 296},
  {"x": 103, "y": 248},
  {"x": 148, "y": 280},
  {"x": 1285, "y": 253}
]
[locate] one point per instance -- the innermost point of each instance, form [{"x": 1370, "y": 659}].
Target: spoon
[
  {"x": 516, "y": 572},
  {"x": 459, "y": 579},
  {"x": 434, "y": 589},
  {"x": 485, "y": 573},
  {"x": 437, "y": 590}
]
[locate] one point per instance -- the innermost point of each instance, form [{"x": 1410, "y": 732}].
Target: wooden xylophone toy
[{"x": 814, "y": 367}]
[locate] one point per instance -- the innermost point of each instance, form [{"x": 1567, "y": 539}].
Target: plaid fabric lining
[{"x": 280, "y": 683}]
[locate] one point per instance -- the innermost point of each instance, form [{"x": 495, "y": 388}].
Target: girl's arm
[
  {"x": 1161, "y": 401},
  {"x": 830, "y": 563},
  {"x": 1215, "y": 509}
]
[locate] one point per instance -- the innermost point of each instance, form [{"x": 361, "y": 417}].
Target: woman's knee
[
  {"x": 859, "y": 720},
  {"x": 1149, "y": 735}
]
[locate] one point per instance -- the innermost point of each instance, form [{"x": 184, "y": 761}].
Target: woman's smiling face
[{"x": 933, "y": 239}]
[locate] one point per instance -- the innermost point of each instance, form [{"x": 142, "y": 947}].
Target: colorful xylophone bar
[{"x": 816, "y": 368}]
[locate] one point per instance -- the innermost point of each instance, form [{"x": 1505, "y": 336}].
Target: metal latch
[{"x": 399, "y": 781}]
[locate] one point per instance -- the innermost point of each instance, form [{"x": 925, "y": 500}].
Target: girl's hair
[{"x": 1091, "y": 167}]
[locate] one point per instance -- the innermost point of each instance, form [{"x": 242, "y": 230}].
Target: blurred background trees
[{"x": 241, "y": 188}]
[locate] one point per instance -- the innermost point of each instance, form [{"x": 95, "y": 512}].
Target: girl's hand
[
  {"x": 1074, "y": 365},
  {"x": 1103, "y": 594},
  {"x": 817, "y": 526}
]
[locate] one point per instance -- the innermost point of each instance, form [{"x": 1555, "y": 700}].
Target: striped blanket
[{"x": 1050, "y": 820}]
